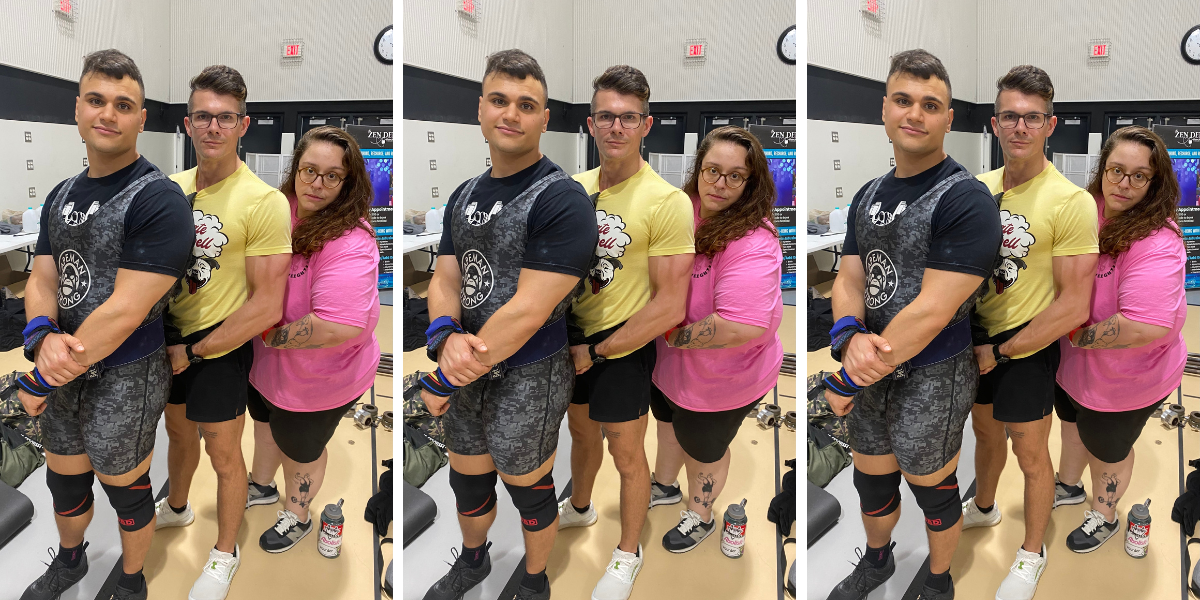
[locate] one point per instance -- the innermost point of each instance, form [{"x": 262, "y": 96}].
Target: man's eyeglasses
[
  {"x": 203, "y": 120},
  {"x": 1138, "y": 180},
  {"x": 1033, "y": 120},
  {"x": 712, "y": 176},
  {"x": 605, "y": 120},
  {"x": 330, "y": 180}
]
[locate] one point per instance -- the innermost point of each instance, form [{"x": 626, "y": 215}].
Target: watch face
[
  {"x": 384, "y": 50},
  {"x": 1191, "y": 45},
  {"x": 786, "y": 46}
]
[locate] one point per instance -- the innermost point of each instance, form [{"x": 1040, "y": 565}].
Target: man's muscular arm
[
  {"x": 669, "y": 280},
  {"x": 266, "y": 278},
  {"x": 942, "y": 292},
  {"x": 860, "y": 357},
  {"x": 456, "y": 355},
  {"x": 53, "y": 354},
  {"x": 134, "y": 294},
  {"x": 1073, "y": 278},
  {"x": 538, "y": 292}
]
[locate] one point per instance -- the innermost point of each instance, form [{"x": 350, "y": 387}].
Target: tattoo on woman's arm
[
  {"x": 1102, "y": 335},
  {"x": 295, "y": 335},
  {"x": 698, "y": 334}
]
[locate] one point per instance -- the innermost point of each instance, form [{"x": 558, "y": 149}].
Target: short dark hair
[
  {"x": 113, "y": 64},
  {"x": 625, "y": 80},
  {"x": 220, "y": 79},
  {"x": 516, "y": 64},
  {"x": 922, "y": 65},
  {"x": 1028, "y": 80}
]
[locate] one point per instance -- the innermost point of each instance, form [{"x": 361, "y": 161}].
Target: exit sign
[
  {"x": 65, "y": 8},
  {"x": 695, "y": 50},
  {"x": 1099, "y": 50},
  {"x": 469, "y": 8},
  {"x": 873, "y": 9},
  {"x": 292, "y": 50}
]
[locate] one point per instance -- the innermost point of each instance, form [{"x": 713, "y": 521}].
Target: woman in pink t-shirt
[
  {"x": 312, "y": 368},
  {"x": 716, "y": 368},
  {"x": 1129, "y": 356}
]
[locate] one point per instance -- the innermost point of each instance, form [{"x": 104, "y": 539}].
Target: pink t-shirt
[
  {"x": 1146, "y": 285},
  {"x": 740, "y": 284},
  {"x": 337, "y": 284}
]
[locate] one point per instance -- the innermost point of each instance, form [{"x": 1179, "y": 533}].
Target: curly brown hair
[
  {"x": 1157, "y": 208},
  {"x": 352, "y": 206},
  {"x": 754, "y": 206}
]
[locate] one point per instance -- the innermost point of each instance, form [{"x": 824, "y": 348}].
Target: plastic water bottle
[
  {"x": 29, "y": 221},
  {"x": 733, "y": 535},
  {"x": 1137, "y": 532},
  {"x": 332, "y": 522},
  {"x": 433, "y": 220}
]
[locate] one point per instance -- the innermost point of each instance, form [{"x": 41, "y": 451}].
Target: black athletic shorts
[
  {"x": 618, "y": 389},
  {"x": 302, "y": 436},
  {"x": 214, "y": 389},
  {"x": 1109, "y": 436},
  {"x": 705, "y": 436},
  {"x": 1022, "y": 389}
]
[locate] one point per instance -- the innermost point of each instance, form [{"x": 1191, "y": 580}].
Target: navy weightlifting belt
[
  {"x": 948, "y": 343},
  {"x": 141, "y": 343},
  {"x": 545, "y": 342}
]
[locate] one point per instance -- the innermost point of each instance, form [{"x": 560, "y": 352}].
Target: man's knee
[
  {"x": 474, "y": 495},
  {"x": 134, "y": 503},
  {"x": 878, "y": 495},
  {"x": 226, "y": 457},
  {"x": 537, "y": 503},
  {"x": 72, "y": 494},
  {"x": 940, "y": 502}
]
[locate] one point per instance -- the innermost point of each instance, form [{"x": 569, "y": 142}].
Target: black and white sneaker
[
  {"x": 1094, "y": 532},
  {"x": 1068, "y": 494},
  {"x": 664, "y": 494},
  {"x": 866, "y": 577},
  {"x": 461, "y": 577},
  {"x": 57, "y": 579},
  {"x": 689, "y": 533},
  {"x": 928, "y": 593},
  {"x": 260, "y": 494},
  {"x": 288, "y": 530}
]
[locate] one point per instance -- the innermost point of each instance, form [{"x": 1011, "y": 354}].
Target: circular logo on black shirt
[
  {"x": 74, "y": 279},
  {"x": 881, "y": 278},
  {"x": 477, "y": 279}
]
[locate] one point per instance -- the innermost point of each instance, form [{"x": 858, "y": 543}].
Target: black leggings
[
  {"x": 704, "y": 436},
  {"x": 1109, "y": 436}
]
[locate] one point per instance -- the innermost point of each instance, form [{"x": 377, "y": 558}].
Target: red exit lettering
[
  {"x": 293, "y": 49},
  {"x": 873, "y": 6},
  {"x": 64, "y": 6},
  {"x": 1100, "y": 50}
]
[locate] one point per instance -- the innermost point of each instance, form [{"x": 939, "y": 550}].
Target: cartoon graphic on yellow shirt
[
  {"x": 1017, "y": 242},
  {"x": 209, "y": 241},
  {"x": 610, "y": 248}
]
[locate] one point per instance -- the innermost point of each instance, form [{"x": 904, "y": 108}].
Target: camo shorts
[{"x": 920, "y": 419}]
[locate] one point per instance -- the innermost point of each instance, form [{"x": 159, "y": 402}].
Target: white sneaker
[
  {"x": 218, "y": 572},
  {"x": 569, "y": 517},
  {"x": 165, "y": 516},
  {"x": 1023, "y": 576},
  {"x": 617, "y": 582},
  {"x": 973, "y": 517}
]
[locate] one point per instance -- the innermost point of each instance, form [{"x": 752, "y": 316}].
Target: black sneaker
[
  {"x": 260, "y": 494},
  {"x": 288, "y": 530},
  {"x": 1068, "y": 494},
  {"x": 664, "y": 494},
  {"x": 1094, "y": 532},
  {"x": 120, "y": 593},
  {"x": 462, "y": 578},
  {"x": 689, "y": 533},
  {"x": 928, "y": 593},
  {"x": 57, "y": 579},
  {"x": 524, "y": 593},
  {"x": 866, "y": 577}
]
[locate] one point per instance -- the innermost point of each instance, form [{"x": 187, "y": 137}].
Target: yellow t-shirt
[
  {"x": 237, "y": 217},
  {"x": 640, "y": 217},
  {"x": 1044, "y": 217}
]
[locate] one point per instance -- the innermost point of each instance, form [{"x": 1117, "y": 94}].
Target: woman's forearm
[
  {"x": 1116, "y": 332},
  {"x": 713, "y": 332},
  {"x": 310, "y": 332}
]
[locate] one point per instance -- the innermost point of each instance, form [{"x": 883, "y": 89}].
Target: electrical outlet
[
  {"x": 837, "y": 165},
  {"x": 433, "y": 165},
  {"x": 487, "y": 162},
  {"x": 435, "y": 191},
  {"x": 29, "y": 165},
  {"x": 892, "y": 162},
  {"x": 33, "y": 192},
  {"x": 835, "y": 136},
  {"x": 28, "y": 136},
  {"x": 838, "y": 191},
  {"x": 85, "y": 162},
  {"x": 431, "y": 136}
]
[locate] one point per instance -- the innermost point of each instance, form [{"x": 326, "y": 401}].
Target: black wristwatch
[
  {"x": 192, "y": 358},
  {"x": 1000, "y": 358},
  {"x": 596, "y": 358}
]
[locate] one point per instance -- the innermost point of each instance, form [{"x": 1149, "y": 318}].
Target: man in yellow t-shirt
[
  {"x": 1040, "y": 290},
  {"x": 232, "y": 291},
  {"x": 634, "y": 292}
]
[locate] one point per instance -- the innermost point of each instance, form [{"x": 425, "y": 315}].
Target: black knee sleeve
[
  {"x": 537, "y": 503},
  {"x": 72, "y": 494},
  {"x": 134, "y": 503},
  {"x": 878, "y": 495},
  {"x": 474, "y": 495},
  {"x": 940, "y": 503}
]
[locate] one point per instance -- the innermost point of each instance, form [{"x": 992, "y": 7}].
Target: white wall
[
  {"x": 34, "y": 38},
  {"x": 740, "y": 63},
  {"x": 842, "y": 38},
  {"x": 1145, "y": 62},
  {"x": 338, "y": 35},
  {"x": 438, "y": 38}
]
